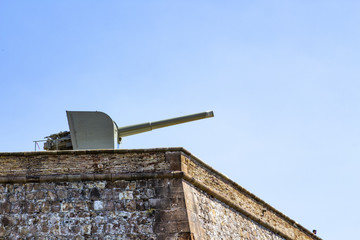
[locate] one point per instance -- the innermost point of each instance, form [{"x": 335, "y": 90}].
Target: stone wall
[
  {"x": 218, "y": 186},
  {"x": 68, "y": 210},
  {"x": 92, "y": 210},
  {"x": 130, "y": 194},
  {"x": 211, "y": 219}
]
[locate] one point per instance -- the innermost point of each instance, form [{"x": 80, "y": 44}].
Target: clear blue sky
[{"x": 282, "y": 77}]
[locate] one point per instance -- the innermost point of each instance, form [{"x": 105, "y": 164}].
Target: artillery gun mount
[{"x": 96, "y": 130}]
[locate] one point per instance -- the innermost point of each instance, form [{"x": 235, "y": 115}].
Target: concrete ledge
[
  {"x": 95, "y": 151},
  {"x": 90, "y": 177}
]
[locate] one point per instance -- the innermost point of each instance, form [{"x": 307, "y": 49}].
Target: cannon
[{"x": 96, "y": 130}]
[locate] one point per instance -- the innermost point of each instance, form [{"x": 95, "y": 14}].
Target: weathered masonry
[{"x": 130, "y": 194}]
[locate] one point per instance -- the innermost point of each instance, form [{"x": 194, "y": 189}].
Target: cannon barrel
[{"x": 145, "y": 127}]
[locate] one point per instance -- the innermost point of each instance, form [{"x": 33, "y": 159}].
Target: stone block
[
  {"x": 66, "y": 207},
  {"x": 98, "y": 205},
  {"x": 126, "y": 195},
  {"x": 160, "y": 203}
]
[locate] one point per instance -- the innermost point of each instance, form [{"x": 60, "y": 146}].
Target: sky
[{"x": 282, "y": 78}]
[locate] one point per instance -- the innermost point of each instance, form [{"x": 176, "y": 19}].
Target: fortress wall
[
  {"x": 121, "y": 209},
  {"x": 211, "y": 219},
  {"x": 77, "y": 210},
  {"x": 214, "y": 184},
  {"x": 130, "y": 194},
  {"x": 91, "y": 195}
]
